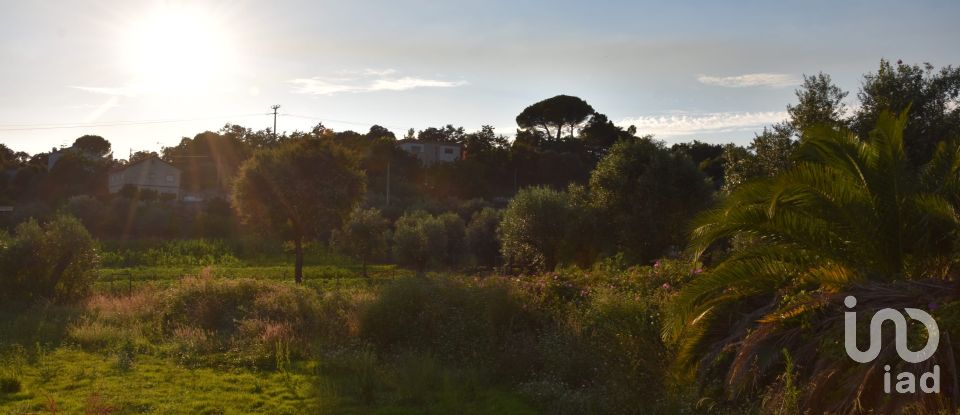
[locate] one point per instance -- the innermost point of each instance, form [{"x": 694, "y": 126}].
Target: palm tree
[{"x": 850, "y": 216}]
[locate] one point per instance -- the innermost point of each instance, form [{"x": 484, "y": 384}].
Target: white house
[
  {"x": 150, "y": 173},
  {"x": 430, "y": 152}
]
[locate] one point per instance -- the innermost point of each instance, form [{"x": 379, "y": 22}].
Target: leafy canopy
[
  {"x": 299, "y": 190},
  {"x": 553, "y": 114}
]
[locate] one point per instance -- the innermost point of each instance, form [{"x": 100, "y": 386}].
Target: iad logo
[{"x": 906, "y": 381}]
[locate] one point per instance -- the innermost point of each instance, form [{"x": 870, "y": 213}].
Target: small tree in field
[
  {"x": 363, "y": 236},
  {"x": 419, "y": 239},
  {"x": 482, "y": 240},
  {"x": 299, "y": 190},
  {"x": 533, "y": 229}
]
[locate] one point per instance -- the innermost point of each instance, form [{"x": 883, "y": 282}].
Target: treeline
[{"x": 642, "y": 189}]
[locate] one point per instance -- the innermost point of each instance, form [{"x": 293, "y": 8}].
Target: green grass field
[
  {"x": 70, "y": 380},
  {"x": 76, "y": 359}
]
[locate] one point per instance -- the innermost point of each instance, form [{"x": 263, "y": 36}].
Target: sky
[{"x": 144, "y": 74}]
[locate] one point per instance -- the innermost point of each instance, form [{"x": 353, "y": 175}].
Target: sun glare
[{"x": 176, "y": 48}]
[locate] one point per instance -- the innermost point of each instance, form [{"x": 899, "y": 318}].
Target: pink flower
[
  {"x": 698, "y": 271},
  {"x": 666, "y": 286},
  {"x": 656, "y": 264}
]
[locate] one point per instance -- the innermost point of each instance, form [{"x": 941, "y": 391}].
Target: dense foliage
[
  {"x": 419, "y": 240},
  {"x": 647, "y": 195},
  {"x": 534, "y": 229},
  {"x": 300, "y": 190},
  {"x": 363, "y": 236},
  {"x": 54, "y": 261},
  {"x": 850, "y": 216}
]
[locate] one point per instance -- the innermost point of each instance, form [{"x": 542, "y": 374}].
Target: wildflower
[
  {"x": 698, "y": 271},
  {"x": 666, "y": 286},
  {"x": 656, "y": 264}
]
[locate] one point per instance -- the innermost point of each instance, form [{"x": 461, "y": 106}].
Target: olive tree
[
  {"x": 362, "y": 236},
  {"x": 534, "y": 228},
  {"x": 481, "y": 237},
  {"x": 419, "y": 239}
]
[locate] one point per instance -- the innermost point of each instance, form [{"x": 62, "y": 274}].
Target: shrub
[
  {"x": 363, "y": 236},
  {"x": 455, "y": 230},
  {"x": 455, "y": 321},
  {"x": 577, "y": 341},
  {"x": 481, "y": 237},
  {"x": 247, "y": 318},
  {"x": 55, "y": 261},
  {"x": 533, "y": 228},
  {"x": 111, "y": 321},
  {"x": 419, "y": 240}
]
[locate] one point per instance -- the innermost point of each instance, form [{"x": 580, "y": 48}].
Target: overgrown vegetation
[{"x": 547, "y": 274}]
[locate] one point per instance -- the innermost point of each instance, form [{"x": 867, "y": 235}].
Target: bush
[
  {"x": 454, "y": 230},
  {"x": 419, "y": 240},
  {"x": 534, "y": 228},
  {"x": 455, "y": 321},
  {"x": 251, "y": 320},
  {"x": 55, "y": 261},
  {"x": 577, "y": 341},
  {"x": 481, "y": 237},
  {"x": 363, "y": 236}
]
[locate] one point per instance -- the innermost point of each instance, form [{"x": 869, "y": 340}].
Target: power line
[{"x": 54, "y": 126}]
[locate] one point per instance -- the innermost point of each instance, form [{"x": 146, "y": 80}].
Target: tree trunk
[{"x": 298, "y": 267}]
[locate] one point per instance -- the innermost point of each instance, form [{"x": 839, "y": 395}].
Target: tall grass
[{"x": 572, "y": 342}]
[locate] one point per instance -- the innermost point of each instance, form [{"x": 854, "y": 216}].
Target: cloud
[
  {"x": 717, "y": 122},
  {"x": 367, "y": 80},
  {"x": 775, "y": 80}
]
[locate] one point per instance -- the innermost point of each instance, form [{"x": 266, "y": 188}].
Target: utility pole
[{"x": 274, "y": 108}]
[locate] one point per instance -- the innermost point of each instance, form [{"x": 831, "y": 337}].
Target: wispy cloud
[
  {"x": 776, "y": 80},
  {"x": 367, "y": 80},
  {"x": 718, "y": 122}
]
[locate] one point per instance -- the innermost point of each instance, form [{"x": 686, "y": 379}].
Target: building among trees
[
  {"x": 150, "y": 173},
  {"x": 429, "y": 152}
]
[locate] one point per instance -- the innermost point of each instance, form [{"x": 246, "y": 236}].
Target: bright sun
[{"x": 176, "y": 48}]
